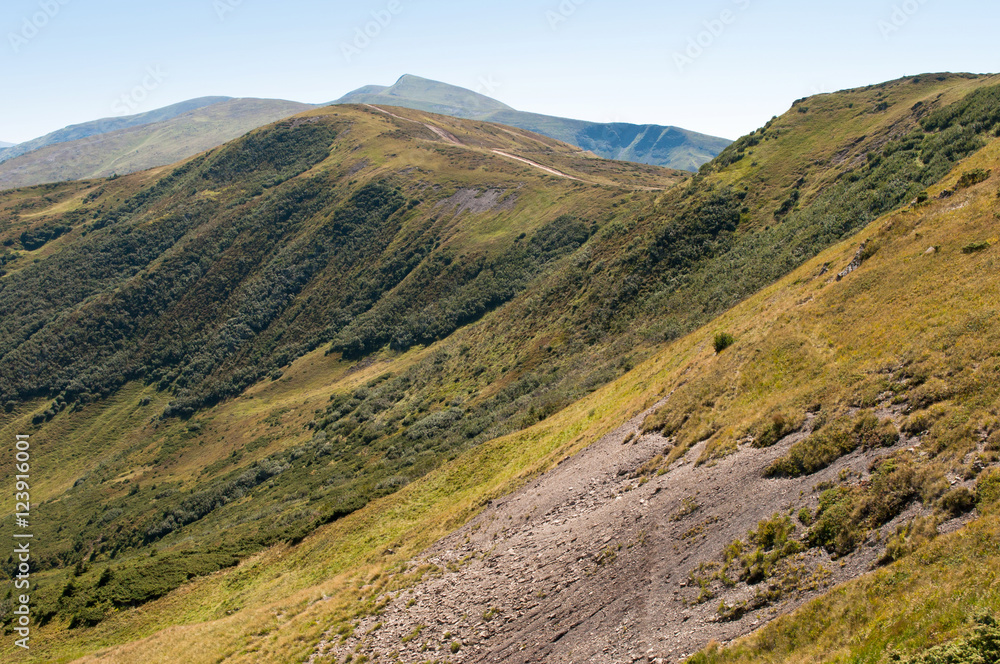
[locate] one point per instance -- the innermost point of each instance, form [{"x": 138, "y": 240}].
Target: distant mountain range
[
  {"x": 133, "y": 143},
  {"x": 5, "y": 144},
  {"x": 106, "y": 126},
  {"x": 648, "y": 144}
]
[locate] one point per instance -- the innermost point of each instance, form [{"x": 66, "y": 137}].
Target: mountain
[
  {"x": 127, "y": 144},
  {"x": 386, "y": 384},
  {"x": 108, "y": 125},
  {"x": 5, "y": 144},
  {"x": 647, "y": 144},
  {"x": 427, "y": 95},
  {"x": 99, "y": 149}
]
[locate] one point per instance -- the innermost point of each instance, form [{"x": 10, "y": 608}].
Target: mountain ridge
[
  {"x": 108, "y": 125},
  {"x": 143, "y": 145},
  {"x": 650, "y": 144}
]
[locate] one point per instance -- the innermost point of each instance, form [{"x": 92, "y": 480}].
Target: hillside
[
  {"x": 852, "y": 421},
  {"x": 127, "y": 145},
  {"x": 646, "y": 144},
  {"x": 108, "y": 125},
  {"x": 264, "y": 383}
]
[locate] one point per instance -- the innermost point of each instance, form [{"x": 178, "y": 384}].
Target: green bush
[
  {"x": 982, "y": 647},
  {"x": 836, "y": 440},
  {"x": 988, "y": 490},
  {"x": 958, "y": 501},
  {"x": 773, "y": 430},
  {"x": 722, "y": 341},
  {"x": 973, "y": 177},
  {"x": 974, "y": 247}
]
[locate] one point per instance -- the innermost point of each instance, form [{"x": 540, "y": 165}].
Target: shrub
[
  {"x": 872, "y": 433},
  {"x": 777, "y": 428},
  {"x": 722, "y": 341},
  {"x": 974, "y": 247},
  {"x": 908, "y": 538},
  {"x": 839, "y": 438},
  {"x": 972, "y": 178},
  {"x": 958, "y": 501},
  {"x": 988, "y": 489},
  {"x": 982, "y": 646}
]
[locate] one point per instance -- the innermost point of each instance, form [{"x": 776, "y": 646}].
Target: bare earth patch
[{"x": 593, "y": 563}]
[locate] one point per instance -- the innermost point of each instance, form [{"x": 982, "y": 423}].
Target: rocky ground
[{"x": 590, "y": 563}]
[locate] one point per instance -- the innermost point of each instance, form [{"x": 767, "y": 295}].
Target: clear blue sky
[{"x": 67, "y": 61}]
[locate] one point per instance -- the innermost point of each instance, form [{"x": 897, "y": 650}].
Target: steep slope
[
  {"x": 646, "y": 144},
  {"x": 102, "y": 151},
  {"x": 108, "y": 125},
  {"x": 374, "y": 321},
  {"x": 687, "y": 525}
]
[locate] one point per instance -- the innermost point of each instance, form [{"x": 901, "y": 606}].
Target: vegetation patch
[{"x": 837, "y": 439}]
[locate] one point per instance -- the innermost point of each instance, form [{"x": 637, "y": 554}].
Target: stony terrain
[{"x": 589, "y": 563}]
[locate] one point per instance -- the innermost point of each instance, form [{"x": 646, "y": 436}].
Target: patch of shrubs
[
  {"x": 769, "y": 542},
  {"x": 39, "y": 237},
  {"x": 205, "y": 502},
  {"x": 983, "y": 645},
  {"x": 773, "y": 430},
  {"x": 972, "y": 178},
  {"x": 975, "y": 247},
  {"x": 846, "y": 513},
  {"x": 832, "y": 442}
]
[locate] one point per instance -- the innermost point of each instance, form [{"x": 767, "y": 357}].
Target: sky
[{"x": 721, "y": 67}]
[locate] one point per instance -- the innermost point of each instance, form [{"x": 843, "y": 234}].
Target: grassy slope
[
  {"x": 137, "y": 148},
  {"x": 903, "y": 306},
  {"x": 234, "y": 425}
]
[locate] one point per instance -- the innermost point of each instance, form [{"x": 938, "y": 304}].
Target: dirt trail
[
  {"x": 451, "y": 138},
  {"x": 537, "y": 165},
  {"x": 447, "y": 136},
  {"x": 590, "y": 564}
]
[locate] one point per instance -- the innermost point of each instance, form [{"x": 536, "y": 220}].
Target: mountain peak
[
  {"x": 649, "y": 144},
  {"x": 425, "y": 94}
]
